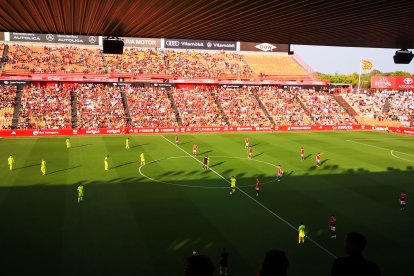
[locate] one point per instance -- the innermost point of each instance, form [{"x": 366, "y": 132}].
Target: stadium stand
[
  {"x": 324, "y": 108},
  {"x": 7, "y": 103},
  {"x": 99, "y": 106},
  {"x": 150, "y": 107},
  {"x": 282, "y": 67},
  {"x": 402, "y": 108},
  {"x": 197, "y": 107},
  {"x": 45, "y": 107},
  {"x": 192, "y": 64},
  {"x": 241, "y": 107},
  {"x": 283, "y": 106},
  {"x": 62, "y": 59},
  {"x": 137, "y": 61}
]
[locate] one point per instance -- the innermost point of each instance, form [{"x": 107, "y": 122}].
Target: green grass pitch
[{"x": 145, "y": 221}]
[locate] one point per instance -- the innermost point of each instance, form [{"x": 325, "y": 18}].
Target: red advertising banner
[
  {"x": 151, "y": 130},
  {"x": 390, "y": 82}
]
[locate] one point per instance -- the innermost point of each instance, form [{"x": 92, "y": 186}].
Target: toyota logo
[
  {"x": 209, "y": 44},
  {"x": 408, "y": 80},
  {"x": 92, "y": 40},
  {"x": 50, "y": 37},
  {"x": 172, "y": 43}
]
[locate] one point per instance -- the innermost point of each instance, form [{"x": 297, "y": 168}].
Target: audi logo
[
  {"x": 92, "y": 39},
  {"x": 408, "y": 80},
  {"x": 50, "y": 37},
  {"x": 209, "y": 44},
  {"x": 172, "y": 43}
]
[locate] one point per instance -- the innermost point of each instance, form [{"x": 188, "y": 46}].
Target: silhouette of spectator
[
  {"x": 355, "y": 264},
  {"x": 199, "y": 265},
  {"x": 224, "y": 262},
  {"x": 275, "y": 264}
]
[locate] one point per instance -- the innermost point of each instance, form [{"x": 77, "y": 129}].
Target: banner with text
[
  {"x": 263, "y": 47},
  {"x": 141, "y": 42},
  {"x": 389, "y": 82},
  {"x": 55, "y": 38},
  {"x": 200, "y": 44},
  {"x": 153, "y": 130}
]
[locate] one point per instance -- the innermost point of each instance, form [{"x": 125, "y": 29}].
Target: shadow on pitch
[
  {"x": 25, "y": 167},
  {"x": 67, "y": 169},
  {"x": 307, "y": 156},
  {"x": 139, "y": 145},
  {"x": 290, "y": 173},
  {"x": 255, "y": 145},
  {"x": 324, "y": 161},
  {"x": 122, "y": 165},
  {"x": 257, "y": 155},
  {"x": 81, "y": 146},
  {"x": 208, "y": 151},
  {"x": 217, "y": 164},
  {"x": 180, "y": 144}
]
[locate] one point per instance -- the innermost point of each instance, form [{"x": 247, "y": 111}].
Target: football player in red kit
[
  {"x": 318, "y": 159},
  {"x": 250, "y": 152},
  {"x": 257, "y": 187},
  {"x": 403, "y": 201},
  {"x": 279, "y": 173},
  {"x": 195, "y": 148},
  {"x": 332, "y": 226},
  {"x": 176, "y": 140},
  {"x": 246, "y": 143},
  {"x": 302, "y": 154}
]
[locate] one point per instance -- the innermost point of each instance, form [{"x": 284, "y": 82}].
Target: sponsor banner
[
  {"x": 13, "y": 82},
  {"x": 141, "y": 42},
  {"x": 164, "y": 84},
  {"x": 200, "y": 44},
  {"x": 119, "y": 131},
  {"x": 389, "y": 82},
  {"x": 55, "y": 38},
  {"x": 264, "y": 47}
]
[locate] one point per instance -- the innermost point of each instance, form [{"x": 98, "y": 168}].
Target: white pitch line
[
  {"x": 379, "y": 147},
  {"x": 259, "y": 203},
  {"x": 392, "y": 153}
]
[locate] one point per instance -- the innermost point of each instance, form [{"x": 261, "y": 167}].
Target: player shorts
[
  {"x": 333, "y": 228},
  {"x": 247, "y": 144},
  {"x": 301, "y": 155},
  {"x": 194, "y": 151},
  {"x": 402, "y": 202},
  {"x": 257, "y": 189},
  {"x": 301, "y": 234}
]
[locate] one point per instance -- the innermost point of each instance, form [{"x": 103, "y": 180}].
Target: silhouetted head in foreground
[
  {"x": 355, "y": 243},
  {"x": 275, "y": 263},
  {"x": 199, "y": 265}
]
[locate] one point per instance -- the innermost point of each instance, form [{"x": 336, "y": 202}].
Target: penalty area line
[{"x": 256, "y": 201}]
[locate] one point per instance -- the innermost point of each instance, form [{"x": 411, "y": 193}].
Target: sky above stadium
[{"x": 346, "y": 60}]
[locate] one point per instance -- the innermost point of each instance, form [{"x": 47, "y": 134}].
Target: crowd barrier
[{"x": 174, "y": 130}]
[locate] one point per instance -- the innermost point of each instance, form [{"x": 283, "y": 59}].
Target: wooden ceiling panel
[{"x": 364, "y": 23}]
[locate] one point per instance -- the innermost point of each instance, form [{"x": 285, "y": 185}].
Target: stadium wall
[{"x": 182, "y": 130}]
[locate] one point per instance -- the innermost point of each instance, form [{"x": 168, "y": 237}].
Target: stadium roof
[{"x": 365, "y": 23}]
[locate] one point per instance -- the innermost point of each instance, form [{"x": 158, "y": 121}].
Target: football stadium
[{"x": 147, "y": 148}]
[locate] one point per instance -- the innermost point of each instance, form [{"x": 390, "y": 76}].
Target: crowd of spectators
[
  {"x": 99, "y": 106},
  {"x": 324, "y": 109},
  {"x": 150, "y": 107},
  {"x": 63, "y": 59},
  {"x": 241, "y": 107},
  {"x": 45, "y": 107},
  {"x": 402, "y": 107},
  {"x": 367, "y": 103},
  {"x": 283, "y": 106},
  {"x": 137, "y": 61},
  {"x": 193, "y": 64},
  {"x": 197, "y": 107},
  {"x": 7, "y": 104}
]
